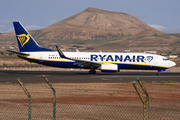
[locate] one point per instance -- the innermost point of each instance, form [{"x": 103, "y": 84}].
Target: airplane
[{"x": 103, "y": 61}]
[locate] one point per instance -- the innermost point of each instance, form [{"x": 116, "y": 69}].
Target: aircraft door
[
  {"x": 41, "y": 58},
  {"x": 156, "y": 60}
]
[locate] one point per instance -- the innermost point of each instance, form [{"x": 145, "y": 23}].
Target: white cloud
[
  {"x": 5, "y": 26},
  {"x": 3, "y": 23},
  {"x": 166, "y": 30},
  {"x": 159, "y": 27},
  {"x": 9, "y": 30},
  {"x": 28, "y": 27},
  {"x": 172, "y": 30},
  {"x": 139, "y": 16},
  {"x": 33, "y": 27}
]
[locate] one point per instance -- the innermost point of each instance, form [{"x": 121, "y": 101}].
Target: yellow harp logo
[{"x": 23, "y": 39}]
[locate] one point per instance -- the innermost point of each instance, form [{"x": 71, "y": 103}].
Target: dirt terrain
[
  {"x": 90, "y": 101},
  {"x": 168, "y": 91},
  {"x": 13, "y": 60}
]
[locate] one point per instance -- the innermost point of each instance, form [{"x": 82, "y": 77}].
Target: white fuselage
[{"x": 123, "y": 60}]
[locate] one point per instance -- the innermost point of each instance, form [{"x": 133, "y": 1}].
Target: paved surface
[{"x": 84, "y": 77}]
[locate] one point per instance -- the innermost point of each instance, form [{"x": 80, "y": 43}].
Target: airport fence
[{"x": 68, "y": 103}]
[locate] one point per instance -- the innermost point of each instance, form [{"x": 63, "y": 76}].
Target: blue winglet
[{"x": 60, "y": 52}]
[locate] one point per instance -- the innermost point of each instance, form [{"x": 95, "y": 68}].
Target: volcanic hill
[{"x": 96, "y": 24}]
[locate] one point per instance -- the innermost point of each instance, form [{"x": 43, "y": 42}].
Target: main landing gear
[
  {"x": 158, "y": 73},
  {"x": 92, "y": 71}
]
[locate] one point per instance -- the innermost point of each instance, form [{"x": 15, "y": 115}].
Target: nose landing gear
[{"x": 159, "y": 71}]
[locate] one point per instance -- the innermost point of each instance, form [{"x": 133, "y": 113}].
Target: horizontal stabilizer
[{"x": 19, "y": 53}]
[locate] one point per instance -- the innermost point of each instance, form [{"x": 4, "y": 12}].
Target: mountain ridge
[{"x": 94, "y": 29}]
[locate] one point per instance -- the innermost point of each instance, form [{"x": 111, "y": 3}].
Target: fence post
[
  {"x": 145, "y": 101},
  {"x": 54, "y": 94},
  {"x": 28, "y": 94}
]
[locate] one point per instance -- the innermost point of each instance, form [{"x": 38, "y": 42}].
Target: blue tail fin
[{"x": 25, "y": 42}]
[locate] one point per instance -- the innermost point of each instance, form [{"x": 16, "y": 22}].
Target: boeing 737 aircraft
[{"x": 103, "y": 61}]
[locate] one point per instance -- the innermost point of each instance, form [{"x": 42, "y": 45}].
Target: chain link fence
[{"x": 82, "y": 101}]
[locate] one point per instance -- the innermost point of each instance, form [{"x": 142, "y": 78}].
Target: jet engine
[{"x": 109, "y": 68}]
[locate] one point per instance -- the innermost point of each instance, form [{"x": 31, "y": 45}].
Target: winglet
[{"x": 60, "y": 52}]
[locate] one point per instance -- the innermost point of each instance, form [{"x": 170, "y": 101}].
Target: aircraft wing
[
  {"x": 83, "y": 63},
  {"x": 19, "y": 53},
  {"x": 87, "y": 63}
]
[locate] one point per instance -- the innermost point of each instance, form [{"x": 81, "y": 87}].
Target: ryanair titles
[{"x": 120, "y": 58}]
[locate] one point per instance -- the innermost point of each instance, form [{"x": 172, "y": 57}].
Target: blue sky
[{"x": 36, "y": 14}]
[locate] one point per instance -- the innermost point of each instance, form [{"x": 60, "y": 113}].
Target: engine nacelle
[{"x": 109, "y": 68}]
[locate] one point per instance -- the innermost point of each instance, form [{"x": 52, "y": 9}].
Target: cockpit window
[{"x": 165, "y": 59}]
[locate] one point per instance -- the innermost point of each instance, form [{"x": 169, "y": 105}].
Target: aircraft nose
[{"x": 172, "y": 64}]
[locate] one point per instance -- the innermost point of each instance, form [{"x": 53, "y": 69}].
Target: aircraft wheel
[
  {"x": 92, "y": 71},
  {"x": 158, "y": 73}
]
